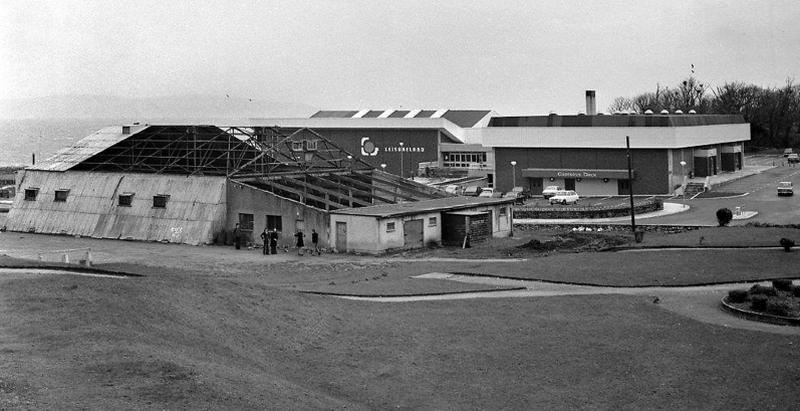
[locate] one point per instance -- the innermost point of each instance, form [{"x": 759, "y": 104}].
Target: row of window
[
  {"x": 464, "y": 159},
  {"x": 124, "y": 199}
]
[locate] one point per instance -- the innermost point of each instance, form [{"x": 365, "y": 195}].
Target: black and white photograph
[{"x": 399, "y": 205}]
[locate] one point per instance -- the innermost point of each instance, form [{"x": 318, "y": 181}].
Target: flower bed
[
  {"x": 778, "y": 303},
  {"x": 640, "y": 206}
]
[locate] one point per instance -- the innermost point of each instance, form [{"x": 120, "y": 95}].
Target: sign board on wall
[{"x": 575, "y": 173}]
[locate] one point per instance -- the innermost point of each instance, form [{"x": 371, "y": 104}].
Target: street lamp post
[
  {"x": 683, "y": 176},
  {"x": 383, "y": 166},
  {"x": 401, "y": 159},
  {"x": 513, "y": 173}
]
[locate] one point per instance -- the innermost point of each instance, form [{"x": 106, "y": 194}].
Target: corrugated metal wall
[{"x": 196, "y": 208}]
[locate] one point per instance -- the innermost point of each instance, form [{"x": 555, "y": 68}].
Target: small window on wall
[
  {"x": 160, "y": 200},
  {"x": 432, "y": 222},
  {"x": 31, "y": 193},
  {"x": 503, "y": 212},
  {"x": 389, "y": 227},
  {"x": 125, "y": 199},
  {"x": 245, "y": 222},
  {"x": 274, "y": 222},
  {"x": 61, "y": 195}
]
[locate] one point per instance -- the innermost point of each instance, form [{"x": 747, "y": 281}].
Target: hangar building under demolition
[{"x": 190, "y": 183}]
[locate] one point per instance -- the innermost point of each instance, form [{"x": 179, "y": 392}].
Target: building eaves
[{"x": 436, "y": 205}]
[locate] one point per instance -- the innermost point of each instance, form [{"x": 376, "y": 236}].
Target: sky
[{"x": 514, "y": 57}]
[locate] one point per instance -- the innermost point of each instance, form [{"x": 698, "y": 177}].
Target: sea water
[{"x": 20, "y": 139}]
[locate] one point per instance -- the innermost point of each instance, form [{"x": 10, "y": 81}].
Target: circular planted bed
[
  {"x": 645, "y": 205},
  {"x": 778, "y": 303}
]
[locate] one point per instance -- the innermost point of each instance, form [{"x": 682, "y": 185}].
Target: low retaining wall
[
  {"x": 757, "y": 316},
  {"x": 647, "y": 205}
]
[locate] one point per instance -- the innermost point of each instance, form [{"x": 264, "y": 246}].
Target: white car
[
  {"x": 785, "y": 188},
  {"x": 486, "y": 192},
  {"x": 550, "y": 191},
  {"x": 564, "y": 197}
]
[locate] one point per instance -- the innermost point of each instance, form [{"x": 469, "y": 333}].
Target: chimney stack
[
  {"x": 591, "y": 106},
  {"x": 126, "y": 129}
]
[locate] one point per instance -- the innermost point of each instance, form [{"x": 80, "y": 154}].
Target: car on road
[
  {"x": 453, "y": 189},
  {"x": 785, "y": 188},
  {"x": 550, "y": 191},
  {"x": 565, "y": 197},
  {"x": 793, "y": 158},
  {"x": 787, "y": 152}
]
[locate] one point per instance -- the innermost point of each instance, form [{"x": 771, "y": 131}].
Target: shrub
[
  {"x": 737, "y": 296},
  {"x": 787, "y": 244},
  {"x": 782, "y": 285},
  {"x": 758, "y": 302},
  {"x": 724, "y": 216},
  {"x": 779, "y": 307},
  {"x": 759, "y": 289}
]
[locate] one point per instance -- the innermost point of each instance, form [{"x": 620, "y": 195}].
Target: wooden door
[
  {"x": 341, "y": 237},
  {"x": 412, "y": 234}
]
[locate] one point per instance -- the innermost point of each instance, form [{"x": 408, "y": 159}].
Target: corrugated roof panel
[
  {"x": 399, "y": 114},
  {"x": 334, "y": 114},
  {"x": 425, "y": 113},
  {"x": 373, "y": 114},
  {"x": 68, "y": 157}
]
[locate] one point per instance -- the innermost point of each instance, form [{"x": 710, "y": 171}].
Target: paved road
[{"x": 762, "y": 197}]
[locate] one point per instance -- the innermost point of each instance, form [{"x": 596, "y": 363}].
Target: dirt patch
[{"x": 576, "y": 241}]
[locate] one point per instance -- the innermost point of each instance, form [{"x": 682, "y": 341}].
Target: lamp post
[
  {"x": 401, "y": 159},
  {"x": 683, "y": 175},
  {"x": 383, "y": 167},
  {"x": 513, "y": 173}
]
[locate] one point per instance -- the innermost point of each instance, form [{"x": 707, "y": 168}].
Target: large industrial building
[
  {"x": 584, "y": 152},
  {"x": 193, "y": 183}
]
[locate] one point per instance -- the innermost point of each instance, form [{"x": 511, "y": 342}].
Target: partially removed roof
[{"x": 68, "y": 157}]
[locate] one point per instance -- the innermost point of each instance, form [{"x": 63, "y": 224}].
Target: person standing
[
  {"x": 315, "y": 241},
  {"x": 237, "y": 237},
  {"x": 265, "y": 241},
  {"x": 300, "y": 243},
  {"x": 273, "y": 241}
]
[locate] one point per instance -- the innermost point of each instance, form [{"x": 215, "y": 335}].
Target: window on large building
[
  {"x": 61, "y": 195},
  {"x": 125, "y": 199},
  {"x": 31, "y": 193},
  {"x": 245, "y": 222},
  {"x": 160, "y": 200},
  {"x": 274, "y": 222},
  {"x": 464, "y": 159}
]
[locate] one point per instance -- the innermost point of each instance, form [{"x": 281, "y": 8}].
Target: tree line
[{"x": 773, "y": 113}]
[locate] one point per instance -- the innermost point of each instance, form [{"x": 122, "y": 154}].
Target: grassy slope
[{"x": 174, "y": 341}]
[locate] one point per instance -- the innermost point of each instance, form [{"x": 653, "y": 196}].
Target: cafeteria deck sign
[{"x": 578, "y": 174}]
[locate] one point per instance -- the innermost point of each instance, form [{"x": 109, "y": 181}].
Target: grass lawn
[{"x": 216, "y": 329}]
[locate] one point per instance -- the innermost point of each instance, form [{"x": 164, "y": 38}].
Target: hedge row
[{"x": 640, "y": 206}]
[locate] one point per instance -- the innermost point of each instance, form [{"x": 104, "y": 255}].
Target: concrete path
[{"x": 700, "y": 303}]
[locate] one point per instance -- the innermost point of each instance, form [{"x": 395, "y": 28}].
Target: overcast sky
[{"x": 516, "y": 57}]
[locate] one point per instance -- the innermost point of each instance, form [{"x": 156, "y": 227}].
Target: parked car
[
  {"x": 522, "y": 191},
  {"x": 785, "y": 188},
  {"x": 486, "y": 192},
  {"x": 793, "y": 158},
  {"x": 787, "y": 152},
  {"x": 564, "y": 197},
  {"x": 453, "y": 189},
  {"x": 472, "y": 191},
  {"x": 550, "y": 191},
  {"x": 518, "y": 197}
]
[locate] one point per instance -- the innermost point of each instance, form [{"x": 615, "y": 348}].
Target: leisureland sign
[
  {"x": 368, "y": 148},
  {"x": 572, "y": 173}
]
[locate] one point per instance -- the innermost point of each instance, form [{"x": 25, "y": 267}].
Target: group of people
[{"x": 269, "y": 239}]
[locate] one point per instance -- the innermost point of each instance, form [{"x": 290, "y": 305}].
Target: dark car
[
  {"x": 518, "y": 197},
  {"x": 472, "y": 191}
]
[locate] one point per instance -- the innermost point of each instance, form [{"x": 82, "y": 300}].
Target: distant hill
[{"x": 177, "y": 107}]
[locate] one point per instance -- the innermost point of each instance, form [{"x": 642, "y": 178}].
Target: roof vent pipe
[{"x": 591, "y": 106}]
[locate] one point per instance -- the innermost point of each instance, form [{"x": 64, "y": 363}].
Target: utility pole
[{"x": 630, "y": 183}]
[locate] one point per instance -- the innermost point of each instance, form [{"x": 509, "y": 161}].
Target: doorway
[
  {"x": 412, "y": 234},
  {"x": 341, "y": 237},
  {"x": 569, "y": 184},
  {"x": 536, "y": 186}
]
